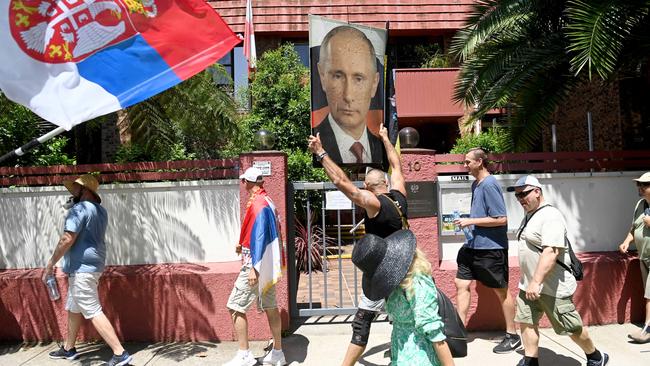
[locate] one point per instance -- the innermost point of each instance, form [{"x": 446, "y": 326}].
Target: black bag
[
  {"x": 576, "y": 266},
  {"x": 454, "y": 328}
]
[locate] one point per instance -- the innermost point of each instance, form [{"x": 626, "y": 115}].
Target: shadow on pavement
[
  {"x": 180, "y": 351},
  {"x": 100, "y": 353},
  {"x": 382, "y": 348},
  {"x": 549, "y": 357},
  {"x": 295, "y": 348},
  {"x": 12, "y": 347}
]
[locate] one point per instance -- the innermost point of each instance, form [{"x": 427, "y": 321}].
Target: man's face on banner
[{"x": 349, "y": 78}]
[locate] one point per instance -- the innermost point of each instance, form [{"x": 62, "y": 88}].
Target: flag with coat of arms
[
  {"x": 260, "y": 232},
  {"x": 73, "y": 60}
]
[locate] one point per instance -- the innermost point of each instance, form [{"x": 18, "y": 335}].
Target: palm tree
[
  {"x": 513, "y": 55},
  {"x": 197, "y": 115},
  {"x": 609, "y": 36}
]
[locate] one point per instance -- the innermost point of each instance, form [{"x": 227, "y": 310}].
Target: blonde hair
[{"x": 419, "y": 266}]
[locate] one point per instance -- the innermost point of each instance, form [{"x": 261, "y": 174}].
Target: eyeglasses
[
  {"x": 523, "y": 194},
  {"x": 643, "y": 184}
]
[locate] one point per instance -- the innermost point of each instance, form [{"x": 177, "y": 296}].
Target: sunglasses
[
  {"x": 523, "y": 194},
  {"x": 643, "y": 184}
]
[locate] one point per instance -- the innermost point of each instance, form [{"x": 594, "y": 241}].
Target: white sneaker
[
  {"x": 242, "y": 359},
  {"x": 275, "y": 358}
]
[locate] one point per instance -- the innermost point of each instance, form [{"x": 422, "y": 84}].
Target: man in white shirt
[{"x": 348, "y": 72}]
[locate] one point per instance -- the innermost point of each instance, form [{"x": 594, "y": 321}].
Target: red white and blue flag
[
  {"x": 260, "y": 232},
  {"x": 72, "y": 60}
]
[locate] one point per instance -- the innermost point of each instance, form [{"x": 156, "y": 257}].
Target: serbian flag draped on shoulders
[
  {"x": 260, "y": 232},
  {"x": 72, "y": 60}
]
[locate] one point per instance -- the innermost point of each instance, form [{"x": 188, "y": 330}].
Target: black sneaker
[
  {"x": 604, "y": 359},
  {"x": 70, "y": 354},
  {"x": 511, "y": 342}
]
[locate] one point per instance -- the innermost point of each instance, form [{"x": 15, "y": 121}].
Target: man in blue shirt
[
  {"x": 83, "y": 249},
  {"x": 484, "y": 257}
]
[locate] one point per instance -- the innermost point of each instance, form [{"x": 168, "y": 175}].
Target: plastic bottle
[
  {"x": 52, "y": 288},
  {"x": 456, "y": 216},
  {"x": 466, "y": 230}
]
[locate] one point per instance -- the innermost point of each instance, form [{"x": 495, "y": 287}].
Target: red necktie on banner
[{"x": 357, "y": 150}]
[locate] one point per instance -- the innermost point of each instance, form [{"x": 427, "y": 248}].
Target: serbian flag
[
  {"x": 260, "y": 233},
  {"x": 249, "y": 38},
  {"x": 72, "y": 60}
]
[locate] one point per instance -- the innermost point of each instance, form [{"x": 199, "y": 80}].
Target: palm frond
[{"x": 598, "y": 31}]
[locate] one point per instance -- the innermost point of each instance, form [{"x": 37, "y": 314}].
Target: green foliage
[
  {"x": 194, "y": 119},
  {"x": 495, "y": 140},
  {"x": 514, "y": 55},
  {"x": 52, "y": 153},
  {"x": 607, "y": 34},
  {"x": 280, "y": 94},
  {"x": 432, "y": 56},
  {"x": 18, "y": 126}
]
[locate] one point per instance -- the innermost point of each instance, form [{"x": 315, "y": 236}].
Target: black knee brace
[{"x": 361, "y": 326}]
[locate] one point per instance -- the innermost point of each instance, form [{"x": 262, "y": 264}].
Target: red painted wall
[{"x": 187, "y": 302}]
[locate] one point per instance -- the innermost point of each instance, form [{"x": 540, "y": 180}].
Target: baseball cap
[
  {"x": 252, "y": 174},
  {"x": 645, "y": 178},
  {"x": 526, "y": 180}
]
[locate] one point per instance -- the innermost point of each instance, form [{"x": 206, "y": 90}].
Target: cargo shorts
[
  {"x": 242, "y": 295},
  {"x": 82, "y": 294},
  {"x": 562, "y": 312}
]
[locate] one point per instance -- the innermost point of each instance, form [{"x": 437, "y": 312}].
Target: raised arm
[
  {"x": 360, "y": 197},
  {"x": 396, "y": 177}
]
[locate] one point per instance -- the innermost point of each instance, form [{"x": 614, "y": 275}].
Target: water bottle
[
  {"x": 52, "y": 288},
  {"x": 466, "y": 230},
  {"x": 456, "y": 216}
]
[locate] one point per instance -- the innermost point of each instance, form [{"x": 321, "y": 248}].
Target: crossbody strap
[
  {"x": 405, "y": 223},
  {"x": 566, "y": 240}
]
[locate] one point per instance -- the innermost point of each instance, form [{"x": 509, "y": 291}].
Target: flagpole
[{"x": 32, "y": 144}]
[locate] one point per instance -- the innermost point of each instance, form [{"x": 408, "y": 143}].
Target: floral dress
[{"x": 416, "y": 324}]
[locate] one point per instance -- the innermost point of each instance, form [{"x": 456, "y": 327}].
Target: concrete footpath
[{"x": 323, "y": 341}]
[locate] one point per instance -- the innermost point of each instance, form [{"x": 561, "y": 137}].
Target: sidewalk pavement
[{"x": 323, "y": 341}]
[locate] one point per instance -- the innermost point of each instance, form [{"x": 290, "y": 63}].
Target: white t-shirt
[{"x": 546, "y": 228}]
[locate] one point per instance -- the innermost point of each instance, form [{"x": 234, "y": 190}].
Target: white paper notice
[{"x": 336, "y": 200}]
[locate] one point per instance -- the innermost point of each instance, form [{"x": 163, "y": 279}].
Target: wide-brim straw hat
[
  {"x": 384, "y": 262},
  {"x": 88, "y": 181}
]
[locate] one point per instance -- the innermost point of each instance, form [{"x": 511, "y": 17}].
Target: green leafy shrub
[{"x": 494, "y": 140}]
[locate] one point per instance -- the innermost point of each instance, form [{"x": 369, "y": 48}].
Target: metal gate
[{"x": 335, "y": 290}]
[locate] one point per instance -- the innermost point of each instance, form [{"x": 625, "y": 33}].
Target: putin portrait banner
[{"x": 347, "y": 90}]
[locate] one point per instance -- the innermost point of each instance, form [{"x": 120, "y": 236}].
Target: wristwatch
[{"x": 320, "y": 156}]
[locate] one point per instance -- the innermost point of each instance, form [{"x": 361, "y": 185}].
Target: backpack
[
  {"x": 576, "y": 266},
  {"x": 453, "y": 326}
]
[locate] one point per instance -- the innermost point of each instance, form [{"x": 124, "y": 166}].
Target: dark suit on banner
[{"x": 331, "y": 146}]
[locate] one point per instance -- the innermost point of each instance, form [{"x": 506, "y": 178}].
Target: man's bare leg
[{"x": 463, "y": 297}]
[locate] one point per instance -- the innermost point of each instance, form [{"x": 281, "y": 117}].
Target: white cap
[
  {"x": 526, "y": 180},
  {"x": 645, "y": 178},
  {"x": 253, "y": 175}
]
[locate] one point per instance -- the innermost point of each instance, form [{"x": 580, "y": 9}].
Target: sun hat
[
  {"x": 384, "y": 262},
  {"x": 252, "y": 175},
  {"x": 88, "y": 181},
  {"x": 644, "y": 178},
  {"x": 526, "y": 180}
]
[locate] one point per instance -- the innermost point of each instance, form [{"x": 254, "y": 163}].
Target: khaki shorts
[
  {"x": 560, "y": 311},
  {"x": 82, "y": 294},
  {"x": 242, "y": 295},
  {"x": 644, "y": 275}
]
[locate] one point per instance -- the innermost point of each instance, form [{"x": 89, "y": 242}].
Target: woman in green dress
[{"x": 394, "y": 269}]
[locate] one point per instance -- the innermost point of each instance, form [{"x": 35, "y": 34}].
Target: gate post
[
  {"x": 276, "y": 185},
  {"x": 419, "y": 165}
]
